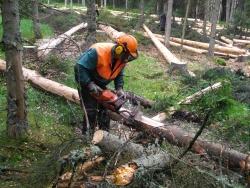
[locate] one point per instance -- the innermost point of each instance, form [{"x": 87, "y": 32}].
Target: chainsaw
[{"x": 110, "y": 100}]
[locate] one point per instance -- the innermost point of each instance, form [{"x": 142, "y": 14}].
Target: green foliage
[
  {"x": 27, "y": 33},
  {"x": 220, "y": 61},
  {"x": 63, "y": 22},
  {"x": 55, "y": 64}
]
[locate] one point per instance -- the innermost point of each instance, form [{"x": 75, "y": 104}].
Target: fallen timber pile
[
  {"x": 46, "y": 48},
  {"x": 230, "y": 158},
  {"x": 220, "y": 49}
]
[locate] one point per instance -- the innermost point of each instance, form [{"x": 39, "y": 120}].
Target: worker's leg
[
  {"x": 92, "y": 110},
  {"x": 103, "y": 119}
]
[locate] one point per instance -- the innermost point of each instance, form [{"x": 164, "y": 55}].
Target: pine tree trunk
[
  {"x": 233, "y": 6},
  {"x": 185, "y": 23},
  {"x": 35, "y": 20},
  {"x": 71, "y": 4},
  {"x": 48, "y": 2},
  {"x": 168, "y": 22},
  {"x": 83, "y": 3},
  {"x": 196, "y": 10},
  {"x": 17, "y": 115},
  {"x": 113, "y": 4},
  {"x": 215, "y": 5},
  {"x": 65, "y": 3},
  {"x": 91, "y": 20},
  {"x": 228, "y": 5},
  {"x": 141, "y": 20},
  {"x": 205, "y": 18},
  {"x": 105, "y": 3},
  {"x": 126, "y": 6}
]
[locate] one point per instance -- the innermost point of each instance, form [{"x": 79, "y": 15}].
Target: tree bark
[
  {"x": 35, "y": 19},
  {"x": 168, "y": 22},
  {"x": 228, "y": 6},
  {"x": 141, "y": 20},
  {"x": 91, "y": 20},
  {"x": 185, "y": 24},
  {"x": 230, "y": 158},
  {"x": 65, "y": 3},
  {"x": 126, "y": 6},
  {"x": 110, "y": 143},
  {"x": 113, "y": 4},
  {"x": 83, "y": 3},
  {"x": 17, "y": 123},
  {"x": 46, "y": 48},
  {"x": 215, "y": 5},
  {"x": 205, "y": 18}
]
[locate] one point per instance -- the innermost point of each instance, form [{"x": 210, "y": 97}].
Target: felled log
[
  {"x": 170, "y": 58},
  {"x": 220, "y": 50},
  {"x": 144, "y": 163},
  {"x": 46, "y": 48},
  {"x": 110, "y": 143},
  {"x": 227, "y": 40},
  {"x": 188, "y": 100},
  {"x": 112, "y": 33},
  {"x": 223, "y": 49},
  {"x": 241, "y": 41},
  {"x": 230, "y": 158}
]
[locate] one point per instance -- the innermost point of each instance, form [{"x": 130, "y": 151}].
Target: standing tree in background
[
  {"x": 65, "y": 3},
  {"x": 168, "y": 22},
  {"x": 215, "y": 5},
  {"x": 91, "y": 20},
  {"x": 205, "y": 18},
  {"x": 141, "y": 20},
  {"x": 83, "y": 3},
  {"x": 17, "y": 123},
  {"x": 113, "y": 4},
  {"x": 126, "y": 6},
  {"x": 35, "y": 20}
]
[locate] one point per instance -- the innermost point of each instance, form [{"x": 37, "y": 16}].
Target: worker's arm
[
  {"x": 86, "y": 63},
  {"x": 119, "y": 82}
]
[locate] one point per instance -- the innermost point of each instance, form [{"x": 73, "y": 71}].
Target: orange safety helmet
[{"x": 129, "y": 43}]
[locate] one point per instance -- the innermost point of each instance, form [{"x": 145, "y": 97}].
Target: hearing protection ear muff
[{"x": 119, "y": 49}]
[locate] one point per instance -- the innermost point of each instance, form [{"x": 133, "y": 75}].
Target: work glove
[
  {"x": 120, "y": 92},
  {"x": 94, "y": 89}
]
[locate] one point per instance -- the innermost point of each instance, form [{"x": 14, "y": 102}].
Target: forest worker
[{"x": 96, "y": 68}]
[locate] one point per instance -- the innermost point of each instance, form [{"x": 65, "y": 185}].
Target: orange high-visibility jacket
[{"x": 104, "y": 61}]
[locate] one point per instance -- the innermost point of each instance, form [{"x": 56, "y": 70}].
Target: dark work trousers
[{"x": 97, "y": 114}]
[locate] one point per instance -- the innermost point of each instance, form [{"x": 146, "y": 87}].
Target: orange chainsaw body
[{"x": 110, "y": 100}]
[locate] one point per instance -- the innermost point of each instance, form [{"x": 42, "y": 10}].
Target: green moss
[{"x": 220, "y": 61}]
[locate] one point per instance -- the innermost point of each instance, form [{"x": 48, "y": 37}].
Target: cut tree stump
[
  {"x": 175, "y": 64},
  {"x": 230, "y": 158},
  {"x": 46, "y": 48}
]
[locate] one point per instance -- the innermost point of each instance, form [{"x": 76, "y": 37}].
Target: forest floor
[{"x": 34, "y": 160}]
